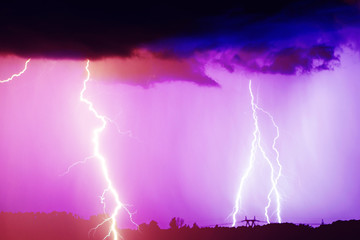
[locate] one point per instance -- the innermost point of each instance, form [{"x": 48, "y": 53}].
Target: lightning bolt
[
  {"x": 16, "y": 74},
  {"x": 255, "y": 145},
  {"x": 96, "y": 154},
  {"x": 75, "y": 164},
  {"x": 274, "y": 180}
]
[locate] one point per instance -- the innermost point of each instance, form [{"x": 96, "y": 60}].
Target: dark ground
[{"x": 39, "y": 226}]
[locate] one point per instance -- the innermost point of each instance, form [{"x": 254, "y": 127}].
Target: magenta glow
[{"x": 181, "y": 145}]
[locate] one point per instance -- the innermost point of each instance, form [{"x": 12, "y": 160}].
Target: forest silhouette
[{"x": 62, "y": 225}]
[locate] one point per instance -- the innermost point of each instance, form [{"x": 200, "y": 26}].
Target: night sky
[{"x": 174, "y": 80}]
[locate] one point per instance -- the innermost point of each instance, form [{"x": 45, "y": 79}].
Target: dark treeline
[{"x": 61, "y": 225}]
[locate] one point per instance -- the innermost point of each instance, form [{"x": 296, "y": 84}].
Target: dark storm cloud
[
  {"x": 306, "y": 21},
  {"x": 288, "y": 61},
  {"x": 301, "y": 37},
  {"x": 290, "y": 30},
  {"x": 89, "y": 30},
  {"x": 293, "y": 60},
  {"x": 94, "y": 30}
]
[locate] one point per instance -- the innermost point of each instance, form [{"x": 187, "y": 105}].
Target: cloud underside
[
  {"x": 287, "y": 61},
  {"x": 276, "y": 38}
]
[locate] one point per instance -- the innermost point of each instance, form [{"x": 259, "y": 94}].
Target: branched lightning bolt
[
  {"x": 256, "y": 144},
  {"x": 75, "y": 164},
  {"x": 274, "y": 180},
  {"x": 127, "y": 133},
  {"x": 16, "y": 74},
  {"x": 95, "y": 139}
]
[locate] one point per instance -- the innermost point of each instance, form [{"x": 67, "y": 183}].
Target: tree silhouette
[
  {"x": 143, "y": 227},
  {"x": 62, "y": 225},
  {"x": 195, "y": 226},
  {"x": 176, "y": 223},
  {"x": 153, "y": 226}
]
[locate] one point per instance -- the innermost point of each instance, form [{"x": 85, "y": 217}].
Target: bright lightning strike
[
  {"x": 95, "y": 139},
  {"x": 16, "y": 74},
  {"x": 256, "y": 144},
  {"x": 274, "y": 180}
]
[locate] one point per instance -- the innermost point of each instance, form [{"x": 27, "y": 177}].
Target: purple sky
[
  {"x": 184, "y": 144},
  {"x": 174, "y": 80}
]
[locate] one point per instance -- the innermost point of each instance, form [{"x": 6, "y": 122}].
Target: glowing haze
[
  {"x": 181, "y": 120},
  {"x": 186, "y": 146},
  {"x": 15, "y": 75}
]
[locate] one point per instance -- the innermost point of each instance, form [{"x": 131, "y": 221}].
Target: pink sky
[{"x": 183, "y": 146}]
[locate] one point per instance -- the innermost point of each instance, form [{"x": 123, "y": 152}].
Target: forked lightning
[{"x": 274, "y": 177}]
